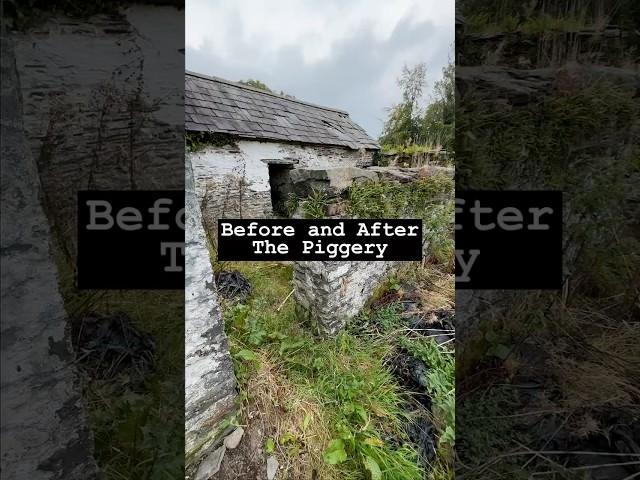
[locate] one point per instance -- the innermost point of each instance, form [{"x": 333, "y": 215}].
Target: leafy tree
[
  {"x": 411, "y": 124},
  {"x": 437, "y": 126},
  {"x": 403, "y": 125}
]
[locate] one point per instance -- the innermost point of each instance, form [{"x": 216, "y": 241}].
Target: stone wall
[
  {"x": 232, "y": 181},
  {"x": 328, "y": 294},
  {"x": 209, "y": 379},
  {"x": 44, "y": 432},
  {"x": 91, "y": 120}
]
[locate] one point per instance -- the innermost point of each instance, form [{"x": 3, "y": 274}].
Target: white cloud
[
  {"x": 313, "y": 26},
  {"x": 311, "y": 48}
]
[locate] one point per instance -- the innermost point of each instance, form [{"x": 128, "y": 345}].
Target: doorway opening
[{"x": 280, "y": 185}]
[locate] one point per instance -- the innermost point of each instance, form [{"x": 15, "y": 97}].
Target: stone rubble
[
  {"x": 329, "y": 294},
  {"x": 234, "y": 438},
  {"x": 332, "y": 181},
  {"x": 211, "y": 464},
  {"x": 272, "y": 467}
]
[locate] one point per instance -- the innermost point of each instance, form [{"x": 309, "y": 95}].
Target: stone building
[{"x": 257, "y": 138}]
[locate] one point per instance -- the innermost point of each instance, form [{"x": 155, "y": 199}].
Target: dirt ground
[{"x": 247, "y": 461}]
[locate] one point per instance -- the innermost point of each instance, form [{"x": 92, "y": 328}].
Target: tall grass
[{"x": 329, "y": 405}]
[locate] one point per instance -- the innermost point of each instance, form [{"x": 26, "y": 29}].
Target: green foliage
[
  {"x": 269, "y": 445},
  {"x": 546, "y": 23},
  {"x": 410, "y": 124},
  {"x": 388, "y": 317},
  {"x": 563, "y": 143},
  {"x": 581, "y": 138},
  {"x": 441, "y": 375},
  {"x": 510, "y": 16},
  {"x": 437, "y": 227},
  {"x": 481, "y": 23},
  {"x": 136, "y": 426},
  {"x": 408, "y": 149},
  {"x": 255, "y": 84},
  {"x": 441, "y": 387},
  {"x": 437, "y": 125},
  {"x": 335, "y": 452},
  {"x": 291, "y": 204},
  {"x": 421, "y": 199},
  {"x": 402, "y": 126},
  {"x": 314, "y": 205},
  {"x": 440, "y": 379},
  {"x": 348, "y": 373},
  {"x": 197, "y": 141},
  {"x": 262, "y": 86},
  {"x": 501, "y": 140},
  {"x": 539, "y": 22},
  {"x": 372, "y": 467},
  {"x": 246, "y": 355},
  {"x": 413, "y": 155},
  {"x": 381, "y": 199},
  {"x": 486, "y": 415},
  {"x": 347, "y": 376}
]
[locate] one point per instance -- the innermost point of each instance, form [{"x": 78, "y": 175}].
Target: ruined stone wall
[
  {"x": 209, "y": 379},
  {"x": 91, "y": 120},
  {"x": 328, "y": 294},
  {"x": 44, "y": 432},
  {"x": 232, "y": 181}
]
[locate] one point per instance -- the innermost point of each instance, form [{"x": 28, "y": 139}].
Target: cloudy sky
[{"x": 346, "y": 54}]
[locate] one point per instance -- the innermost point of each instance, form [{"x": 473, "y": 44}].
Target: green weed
[
  {"x": 422, "y": 199},
  {"x": 291, "y": 204},
  {"x": 315, "y": 204},
  {"x": 198, "y": 141},
  {"x": 343, "y": 407},
  {"x": 394, "y": 200}
]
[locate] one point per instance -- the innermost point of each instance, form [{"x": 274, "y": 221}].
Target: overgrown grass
[
  {"x": 437, "y": 292},
  {"x": 576, "y": 349},
  {"x": 415, "y": 155},
  {"x": 410, "y": 149},
  {"x": 327, "y": 405},
  {"x": 138, "y": 424},
  {"x": 428, "y": 199},
  {"x": 511, "y": 16},
  {"x": 315, "y": 204},
  {"x": 333, "y": 406},
  {"x": 343, "y": 380},
  {"x": 395, "y": 200}
]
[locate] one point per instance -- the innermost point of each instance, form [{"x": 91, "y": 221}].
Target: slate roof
[{"x": 217, "y": 105}]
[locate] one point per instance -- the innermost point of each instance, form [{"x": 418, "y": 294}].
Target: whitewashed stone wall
[
  {"x": 209, "y": 379},
  {"x": 233, "y": 182}
]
